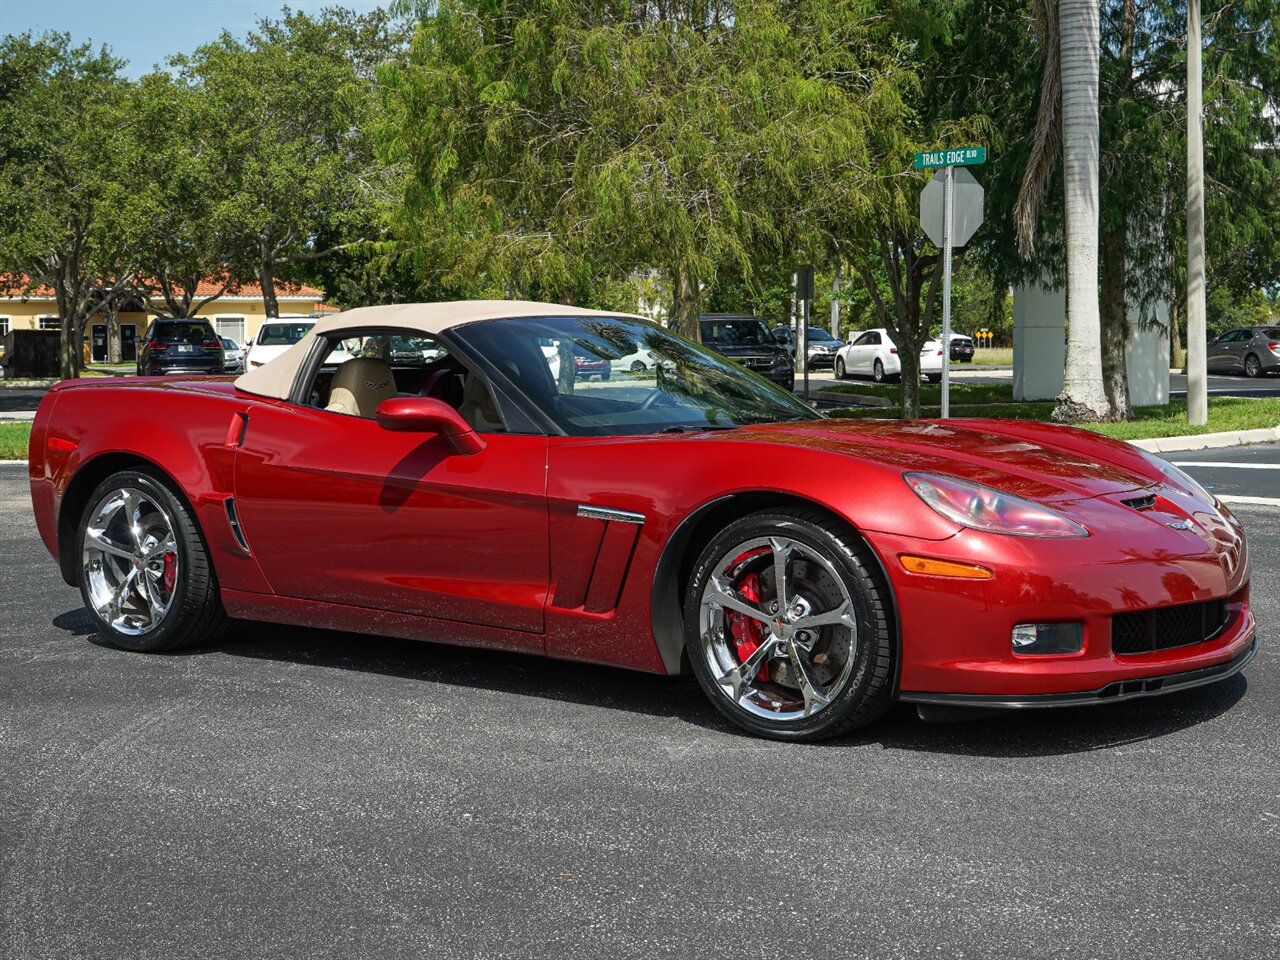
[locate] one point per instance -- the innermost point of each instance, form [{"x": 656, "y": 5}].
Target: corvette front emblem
[{"x": 1180, "y": 525}]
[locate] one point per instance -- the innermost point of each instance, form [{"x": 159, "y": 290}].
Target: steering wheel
[{"x": 651, "y": 401}]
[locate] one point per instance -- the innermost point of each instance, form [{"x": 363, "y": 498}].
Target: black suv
[
  {"x": 746, "y": 340},
  {"x": 180, "y": 345}
]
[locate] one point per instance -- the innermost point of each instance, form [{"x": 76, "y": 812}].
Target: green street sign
[{"x": 951, "y": 157}]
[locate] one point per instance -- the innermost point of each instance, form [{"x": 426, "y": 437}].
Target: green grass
[
  {"x": 993, "y": 357},
  {"x": 931, "y": 394},
  {"x": 13, "y": 440},
  {"x": 1225, "y": 413}
]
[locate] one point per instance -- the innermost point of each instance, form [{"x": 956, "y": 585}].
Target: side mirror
[{"x": 428, "y": 415}]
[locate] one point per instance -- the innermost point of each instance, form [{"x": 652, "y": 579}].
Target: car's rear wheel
[
  {"x": 934, "y": 377},
  {"x": 637, "y": 366},
  {"x": 787, "y": 627},
  {"x": 1252, "y": 366},
  {"x": 840, "y": 368},
  {"x": 877, "y": 372},
  {"x": 144, "y": 571}
]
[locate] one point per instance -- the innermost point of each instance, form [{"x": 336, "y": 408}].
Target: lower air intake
[{"x": 1167, "y": 627}]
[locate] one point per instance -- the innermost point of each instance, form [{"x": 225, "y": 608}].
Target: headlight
[
  {"x": 989, "y": 510},
  {"x": 1179, "y": 478}
]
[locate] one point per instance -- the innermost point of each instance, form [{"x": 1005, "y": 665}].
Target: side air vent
[
  {"x": 1141, "y": 503},
  {"x": 233, "y": 520}
]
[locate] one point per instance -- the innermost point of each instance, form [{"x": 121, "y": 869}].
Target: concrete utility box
[
  {"x": 30, "y": 353},
  {"x": 1039, "y": 342},
  {"x": 1146, "y": 357}
]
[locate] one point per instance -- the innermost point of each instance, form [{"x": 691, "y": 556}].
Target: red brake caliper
[
  {"x": 170, "y": 571},
  {"x": 746, "y": 631}
]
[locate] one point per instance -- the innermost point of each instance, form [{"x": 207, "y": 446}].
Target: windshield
[
  {"x": 282, "y": 334},
  {"x": 563, "y": 366},
  {"x": 817, "y": 333},
  {"x": 182, "y": 332},
  {"x": 738, "y": 330}
]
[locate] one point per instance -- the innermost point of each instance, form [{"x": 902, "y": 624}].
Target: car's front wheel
[
  {"x": 840, "y": 375},
  {"x": 144, "y": 570},
  {"x": 788, "y": 627}
]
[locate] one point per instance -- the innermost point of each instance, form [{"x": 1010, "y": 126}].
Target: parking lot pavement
[
  {"x": 1251, "y": 472},
  {"x": 296, "y": 793}
]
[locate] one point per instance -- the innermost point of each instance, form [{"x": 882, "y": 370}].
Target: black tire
[
  {"x": 194, "y": 614},
  {"x": 877, "y": 372},
  {"x": 840, "y": 373},
  {"x": 1252, "y": 366},
  {"x": 934, "y": 377},
  {"x": 637, "y": 366},
  {"x": 867, "y": 691}
]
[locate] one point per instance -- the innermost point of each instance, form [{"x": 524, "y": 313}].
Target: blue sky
[{"x": 145, "y": 32}]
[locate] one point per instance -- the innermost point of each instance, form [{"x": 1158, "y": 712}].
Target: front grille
[
  {"x": 1166, "y": 627},
  {"x": 757, "y": 363}
]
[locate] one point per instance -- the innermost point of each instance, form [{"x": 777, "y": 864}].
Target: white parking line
[
  {"x": 1255, "y": 501},
  {"x": 1224, "y": 463}
]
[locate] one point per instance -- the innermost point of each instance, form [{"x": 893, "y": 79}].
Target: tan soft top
[{"x": 275, "y": 378}]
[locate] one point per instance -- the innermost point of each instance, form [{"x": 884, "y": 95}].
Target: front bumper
[{"x": 1113, "y": 692}]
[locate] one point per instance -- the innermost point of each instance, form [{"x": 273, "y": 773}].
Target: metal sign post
[
  {"x": 804, "y": 293},
  {"x": 950, "y": 224},
  {"x": 948, "y": 209}
]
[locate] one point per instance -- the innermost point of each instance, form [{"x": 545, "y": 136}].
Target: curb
[
  {"x": 1209, "y": 441},
  {"x": 851, "y": 399}
]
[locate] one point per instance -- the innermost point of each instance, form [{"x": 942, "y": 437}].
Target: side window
[{"x": 360, "y": 368}]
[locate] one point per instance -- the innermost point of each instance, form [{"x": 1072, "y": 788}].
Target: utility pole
[
  {"x": 835, "y": 302},
  {"x": 1197, "y": 334}
]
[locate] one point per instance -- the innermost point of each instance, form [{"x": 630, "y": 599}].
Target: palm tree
[{"x": 1072, "y": 40}]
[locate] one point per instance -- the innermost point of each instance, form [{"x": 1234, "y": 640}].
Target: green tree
[
  {"x": 554, "y": 145},
  {"x": 62, "y": 192},
  {"x": 288, "y": 112}
]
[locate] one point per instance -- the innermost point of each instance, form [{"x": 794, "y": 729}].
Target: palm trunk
[
  {"x": 1115, "y": 321},
  {"x": 686, "y": 302},
  {"x": 1083, "y": 394}
]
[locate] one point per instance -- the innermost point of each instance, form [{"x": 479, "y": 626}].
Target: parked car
[
  {"x": 276, "y": 336},
  {"x": 180, "y": 345},
  {"x": 961, "y": 348},
  {"x": 1253, "y": 351},
  {"x": 746, "y": 340},
  {"x": 637, "y": 362},
  {"x": 822, "y": 345},
  {"x": 585, "y": 365},
  {"x": 874, "y": 355},
  {"x": 232, "y": 356},
  {"x": 809, "y": 571}
]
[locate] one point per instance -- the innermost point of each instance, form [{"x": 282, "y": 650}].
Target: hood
[{"x": 1036, "y": 461}]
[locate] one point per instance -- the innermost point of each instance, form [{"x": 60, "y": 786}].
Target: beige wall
[{"x": 235, "y": 317}]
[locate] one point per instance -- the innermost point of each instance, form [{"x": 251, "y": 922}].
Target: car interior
[{"x": 363, "y": 369}]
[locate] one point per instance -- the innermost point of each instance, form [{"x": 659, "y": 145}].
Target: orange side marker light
[{"x": 944, "y": 568}]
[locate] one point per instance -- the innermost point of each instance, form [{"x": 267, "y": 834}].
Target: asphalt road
[
  {"x": 1230, "y": 472},
  {"x": 295, "y": 793}
]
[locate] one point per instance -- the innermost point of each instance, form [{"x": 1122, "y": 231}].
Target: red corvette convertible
[{"x": 809, "y": 571}]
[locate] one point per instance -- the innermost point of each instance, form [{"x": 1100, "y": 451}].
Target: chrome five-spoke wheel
[
  {"x": 787, "y": 626},
  {"x": 130, "y": 561},
  {"x": 143, "y": 567},
  {"x": 777, "y": 628}
]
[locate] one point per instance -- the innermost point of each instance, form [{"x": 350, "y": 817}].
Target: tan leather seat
[
  {"x": 359, "y": 385},
  {"x": 478, "y": 407}
]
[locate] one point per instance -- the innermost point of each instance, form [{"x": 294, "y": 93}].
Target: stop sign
[{"x": 966, "y": 207}]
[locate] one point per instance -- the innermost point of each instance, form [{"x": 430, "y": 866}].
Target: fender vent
[{"x": 233, "y": 520}]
